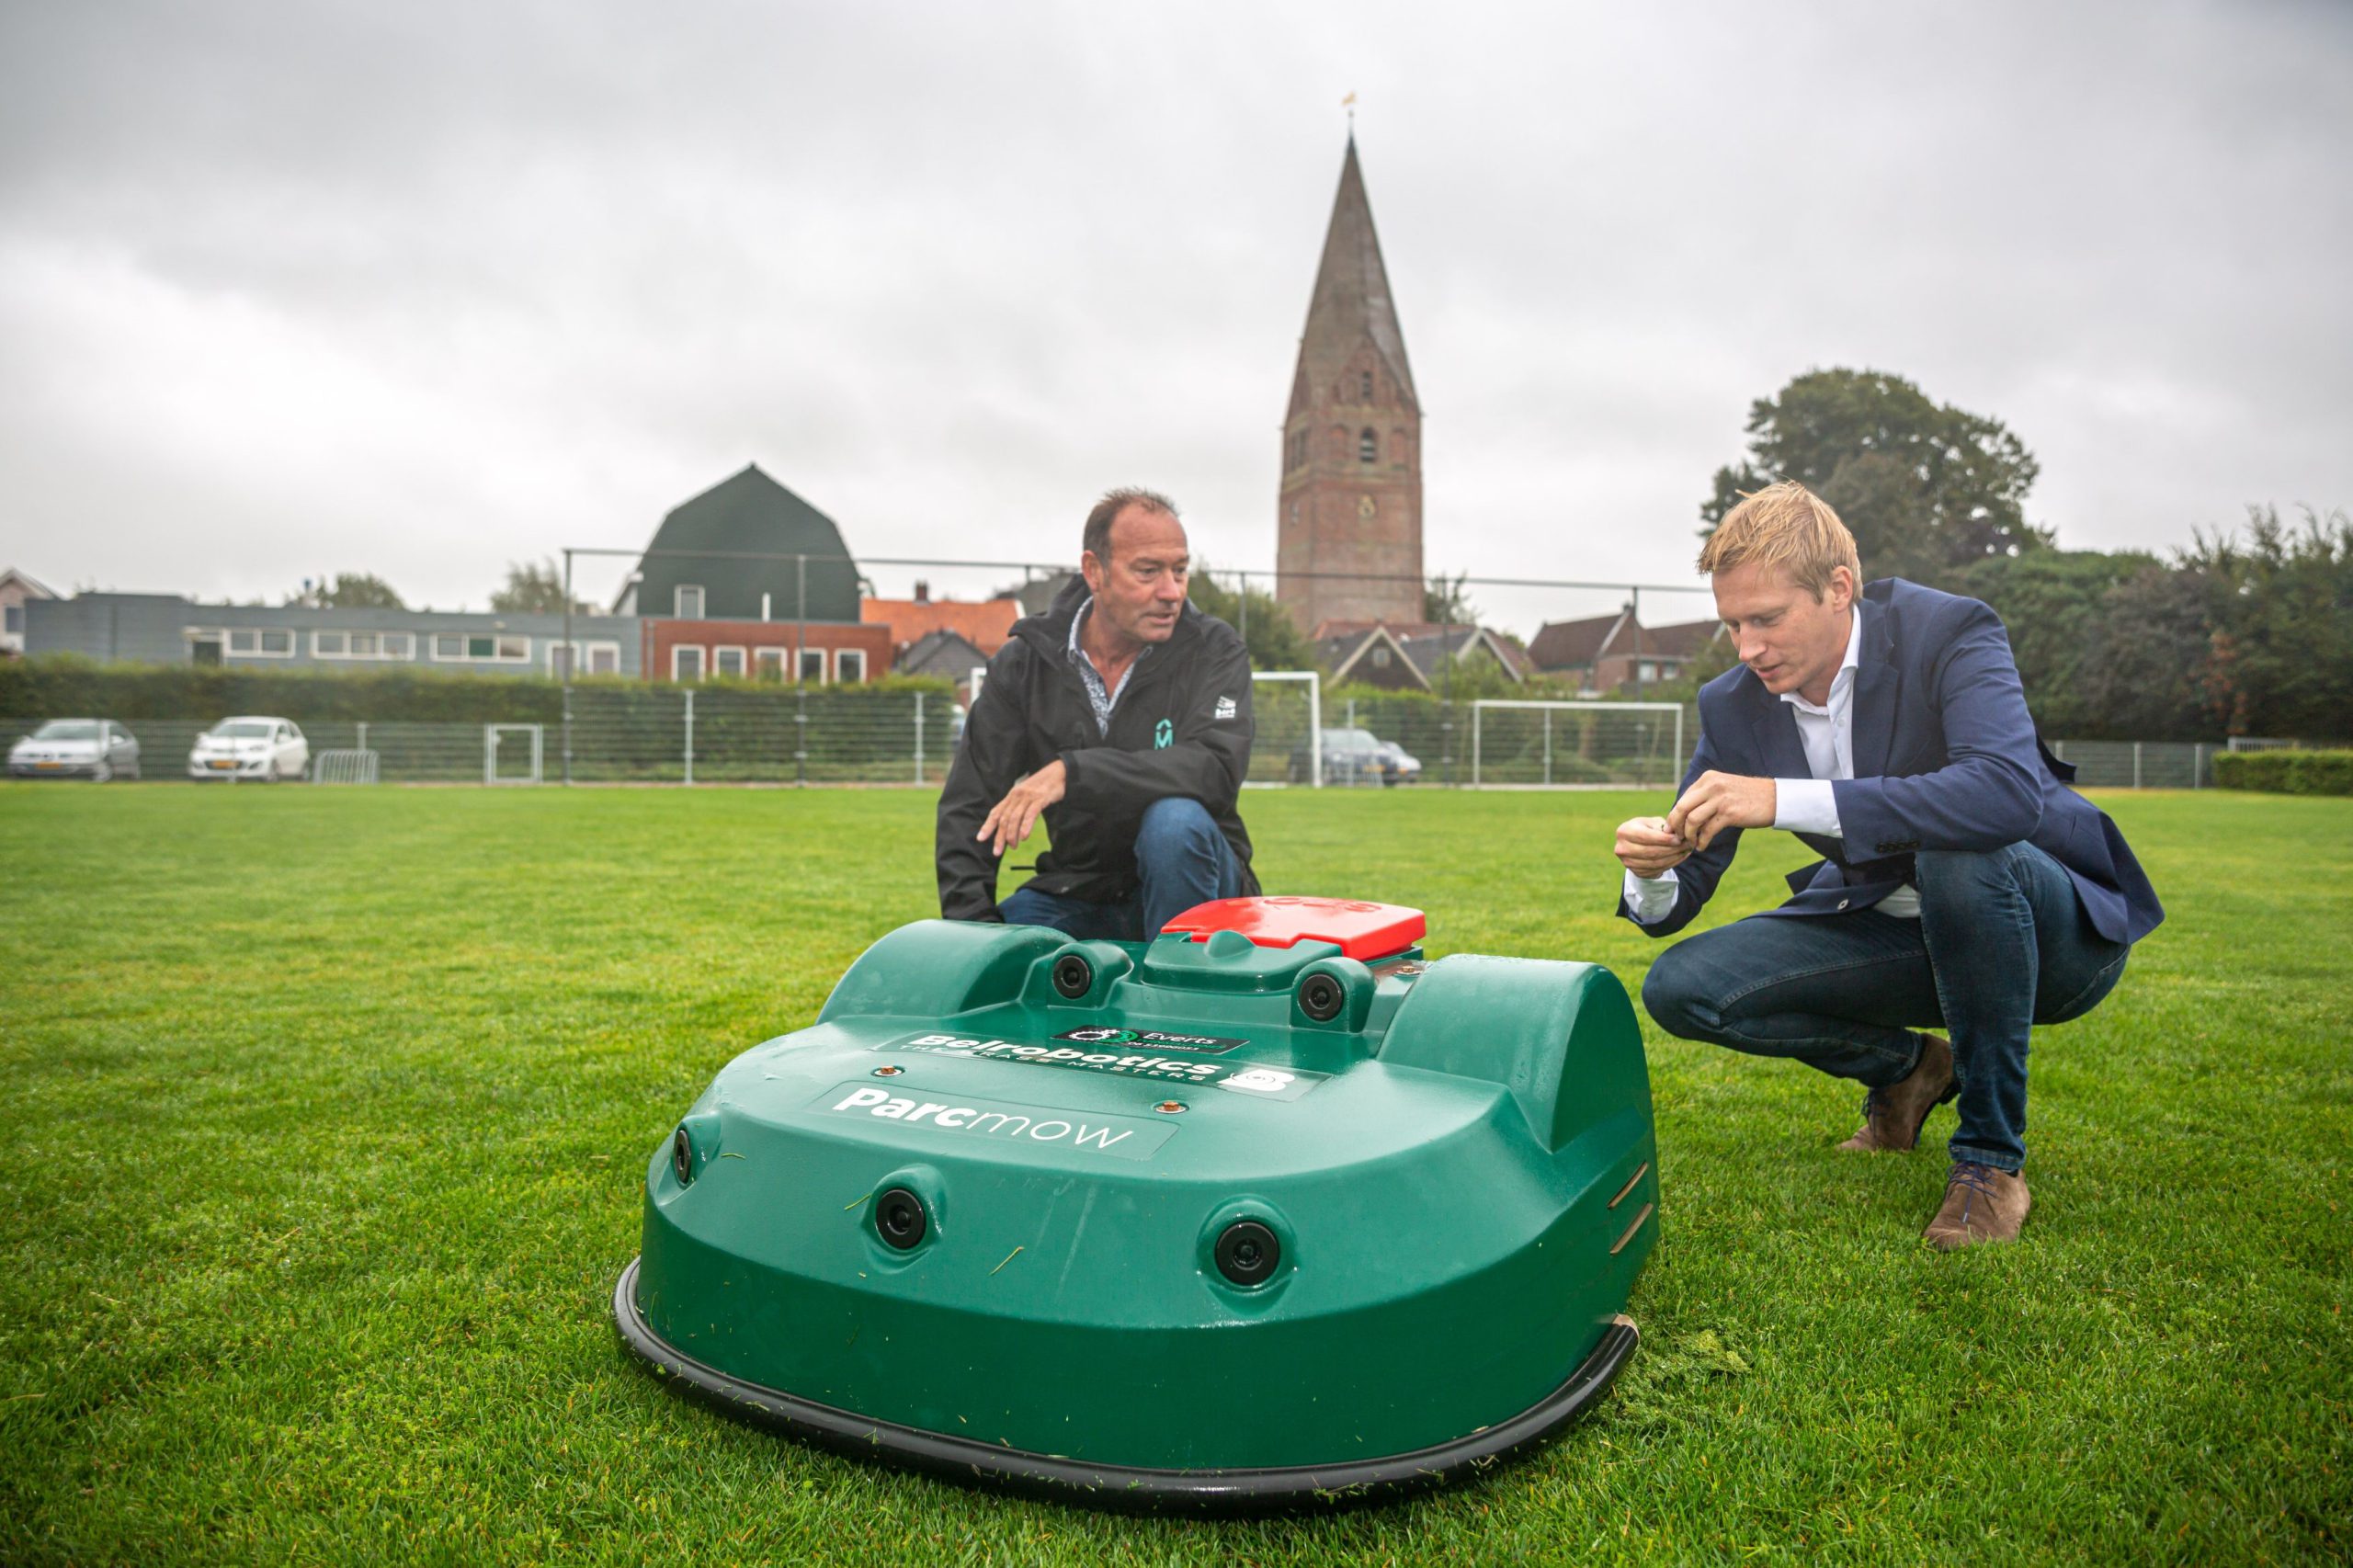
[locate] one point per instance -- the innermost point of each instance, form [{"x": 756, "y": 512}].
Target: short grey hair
[{"x": 1097, "y": 541}]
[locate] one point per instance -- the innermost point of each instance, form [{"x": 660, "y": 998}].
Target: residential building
[
  {"x": 986, "y": 625},
  {"x": 1617, "y": 652},
  {"x": 1351, "y": 501},
  {"x": 16, "y": 587},
  {"x": 168, "y": 628},
  {"x": 1411, "y": 656},
  {"x": 749, "y": 580},
  {"x": 946, "y": 655}
]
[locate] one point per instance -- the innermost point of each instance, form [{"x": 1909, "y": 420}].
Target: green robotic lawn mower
[{"x": 1266, "y": 1211}]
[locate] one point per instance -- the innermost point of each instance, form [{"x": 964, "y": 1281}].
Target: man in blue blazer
[{"x": 1963, "y": 885}]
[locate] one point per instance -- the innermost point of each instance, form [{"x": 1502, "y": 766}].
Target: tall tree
[
  {"x": 533, "y": 587},
  {"x": 2282, "y": 607},
  {"x": 1927, "y": 487},
  {"x": 1267, "y": 630},
  {"x": 1444, "y": 602},
  {"x": 2057, "y": 606},
  {"x": 351, "y": 590}
]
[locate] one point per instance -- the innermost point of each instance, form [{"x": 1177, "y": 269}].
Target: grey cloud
[{"x": 420, "y": 289}]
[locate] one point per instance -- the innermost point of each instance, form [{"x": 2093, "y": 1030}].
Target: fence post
[
  {"x": 691, "y": 735},
  {"x": 1548, "y": 747},
  {"x": 569, "y": 654},
  {"x": 2197, "y": 765},
  {"x": 1315, "y": 729},
  {"x": 800, "y": 736},
  {"x": 2136, "y": 765},
  {"x": 918, "y": 737},
  {"x": 363, "y": 735}
]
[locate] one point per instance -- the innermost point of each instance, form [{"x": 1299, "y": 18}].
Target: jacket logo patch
[
  {"x": 1226, "y": 709},
  {"x": 1162, "y": 733}
]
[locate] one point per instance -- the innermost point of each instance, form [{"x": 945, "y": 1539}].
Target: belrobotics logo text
[{"x": 1110, "y": 1060}]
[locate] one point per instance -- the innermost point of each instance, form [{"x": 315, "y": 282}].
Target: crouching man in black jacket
[{"x": 1122, "y": 713}]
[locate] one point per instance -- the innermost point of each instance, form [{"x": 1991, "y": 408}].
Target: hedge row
[
  {"x": 2286, "y": 772},
  {"x": 58, "y": 686}
]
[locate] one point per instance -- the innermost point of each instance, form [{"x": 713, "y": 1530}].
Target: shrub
[
  {"x": 2286, "y": 772},
  {"x": 54, "y": 686}
]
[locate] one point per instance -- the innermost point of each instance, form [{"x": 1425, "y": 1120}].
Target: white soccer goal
[
  {"x": 1574, "y": 745},
  {"x": 352, "y": 765},
  {"x": 1287, "y": 706},
  {"x": 508, "y": 749}
]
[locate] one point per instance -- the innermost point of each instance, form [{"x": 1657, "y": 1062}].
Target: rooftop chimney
[{"x": 923, "y": 592}]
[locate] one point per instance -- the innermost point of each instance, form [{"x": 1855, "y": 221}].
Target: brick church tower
[{"x": 1352, "y": 442}]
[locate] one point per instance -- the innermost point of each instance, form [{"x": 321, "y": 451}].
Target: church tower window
[
  {"x": 1369, "y": 446},
  {"x": 1364, "y": 387}
]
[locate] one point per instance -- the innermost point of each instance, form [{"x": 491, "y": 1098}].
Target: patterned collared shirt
[{"x": 1102, "y": 701}]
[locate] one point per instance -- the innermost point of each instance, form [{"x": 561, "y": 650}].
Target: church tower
[{"x": 1351, "y": 499}]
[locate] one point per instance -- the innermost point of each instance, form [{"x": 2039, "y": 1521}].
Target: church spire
[
  {"x": 1348, "y": 540},
  {"x": 1352, "y": 298}
]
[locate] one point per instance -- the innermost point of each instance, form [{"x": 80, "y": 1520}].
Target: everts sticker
[{"x": 1153, "y": 1039}]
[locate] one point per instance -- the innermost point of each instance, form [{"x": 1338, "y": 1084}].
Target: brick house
[{"x": 1617, "y": 652}]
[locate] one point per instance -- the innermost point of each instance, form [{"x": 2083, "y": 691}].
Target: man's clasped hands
[{"x": 1649, "y": 845}]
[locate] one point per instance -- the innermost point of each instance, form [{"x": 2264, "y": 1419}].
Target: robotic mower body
[{"x": 1265, "y": 1211}]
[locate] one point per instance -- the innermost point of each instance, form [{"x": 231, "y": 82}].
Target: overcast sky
[{"x": 423, "y": 289}]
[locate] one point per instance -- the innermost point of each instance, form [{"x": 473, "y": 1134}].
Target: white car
[
  {"x": 96, "y": 749},
  {"x": 248, "y": 747}
]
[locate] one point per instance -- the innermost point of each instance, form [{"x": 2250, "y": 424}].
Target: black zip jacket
[{"x": 1182, "y": 729}]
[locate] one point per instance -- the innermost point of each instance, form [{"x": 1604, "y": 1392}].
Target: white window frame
[
  {"x": 384, "y": 645},
  {"x": 229, "y": 649},
  {"x": 841, "y": 673},
  {"x": 767, "y": 664},
  {"x": 702, "y": 660},
  {"x": 718, "y": 661},
  {"x": 497, "y": 655},
  {"x": 583, "y": 652},
  {"x": 678, "y": 601},
  {"x": 801, "y": 664}
]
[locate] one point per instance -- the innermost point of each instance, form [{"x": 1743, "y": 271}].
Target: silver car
[
  {"x": 96, "y": 749},
  {"x": 250, "y": 748}
]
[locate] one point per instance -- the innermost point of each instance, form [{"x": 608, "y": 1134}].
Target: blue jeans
[
  {"x": 2002, "y": 944},
  {"x": 1181, "y": 860}
]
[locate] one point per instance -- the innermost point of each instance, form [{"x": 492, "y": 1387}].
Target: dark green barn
[{"x": 748, "y": 515}]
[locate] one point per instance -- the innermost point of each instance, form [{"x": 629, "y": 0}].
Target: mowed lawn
[{"x": 322, "y": 1115}]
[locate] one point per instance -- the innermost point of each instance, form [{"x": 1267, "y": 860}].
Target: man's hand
[
  {"x": 1010, "y": 820},
  {"x": 1718, "y": 800},
  {"x": 1647, "y": 847}
]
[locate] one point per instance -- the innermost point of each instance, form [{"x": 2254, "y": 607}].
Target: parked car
[
  {"x": 96, "y": 749},
  {"x": 1351, "y": 757},
  {"x": 1399, "y": 766},
  {"x": 250, "y": 747}
]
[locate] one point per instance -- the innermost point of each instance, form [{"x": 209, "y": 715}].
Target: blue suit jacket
[{"x": 1945, "y": 758}]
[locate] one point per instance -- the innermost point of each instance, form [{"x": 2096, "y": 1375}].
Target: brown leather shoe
[
  {"x": 1982, "y": 1204},
  {"x": 1892, "y": 1117}
]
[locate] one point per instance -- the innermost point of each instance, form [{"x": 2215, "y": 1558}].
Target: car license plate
[
  {"x": 49, "y": 765},
  {"x": 223, "y": 764}
]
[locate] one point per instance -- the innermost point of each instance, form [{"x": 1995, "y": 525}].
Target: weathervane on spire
[{"x": 1350, "y": 103}]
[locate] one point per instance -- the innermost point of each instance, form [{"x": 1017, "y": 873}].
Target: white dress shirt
[{"x": 1801, "y": 805}]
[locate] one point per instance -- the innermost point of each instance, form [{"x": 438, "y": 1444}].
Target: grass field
[{"x": 322, "y": 1115}]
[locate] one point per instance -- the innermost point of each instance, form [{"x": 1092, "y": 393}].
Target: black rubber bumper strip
[{"x": 1273, "y": 1490}]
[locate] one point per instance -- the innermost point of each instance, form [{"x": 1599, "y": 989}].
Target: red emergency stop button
[{"x": 1361, "y": 930}]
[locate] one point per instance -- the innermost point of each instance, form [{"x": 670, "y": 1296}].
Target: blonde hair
[{"x": 1785, "y": 524}]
